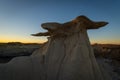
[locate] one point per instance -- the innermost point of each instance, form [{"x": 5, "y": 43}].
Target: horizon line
[{"x": 46, "y": 41}]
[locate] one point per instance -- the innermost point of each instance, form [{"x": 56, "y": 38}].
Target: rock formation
[{"x": 66, "y": 56}]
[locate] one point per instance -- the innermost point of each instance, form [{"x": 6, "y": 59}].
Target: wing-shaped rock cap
[
  {"x": 82, "y": 21},
  {"x": 51, "y": 26},
  {"x": 89, "y": 23}
]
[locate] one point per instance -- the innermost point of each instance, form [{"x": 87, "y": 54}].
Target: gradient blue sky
[{"x": 20, "y": 18}]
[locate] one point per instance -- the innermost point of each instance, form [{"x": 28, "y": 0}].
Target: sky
[{"x": 21, "y": 18}]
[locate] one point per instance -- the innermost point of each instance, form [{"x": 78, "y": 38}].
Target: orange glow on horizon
[
  {"x": 105, "y": 42},
  {"x": 22, "y": 40},
  {"x": 30, "y": 39},
  {"x": 42, "y": 41}
]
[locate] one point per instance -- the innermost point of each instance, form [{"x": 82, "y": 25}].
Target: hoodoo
[{"x": 67, "y": 55}]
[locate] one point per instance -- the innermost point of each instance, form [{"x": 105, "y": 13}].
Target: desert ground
[
  {"x": 106, "y": 54},
  {"x": 16, "y": 49}
]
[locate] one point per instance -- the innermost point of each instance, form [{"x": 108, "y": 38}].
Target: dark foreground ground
[
  {"x": 109, "y": 55},
  {"x": 105, "y": 54},
  {"x": 11, "y": 50}
]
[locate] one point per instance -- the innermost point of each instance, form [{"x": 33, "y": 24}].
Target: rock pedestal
[{"x": 66, "y": 56}]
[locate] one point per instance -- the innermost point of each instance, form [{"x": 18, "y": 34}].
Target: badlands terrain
[{"x": 106, "y": 54}]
